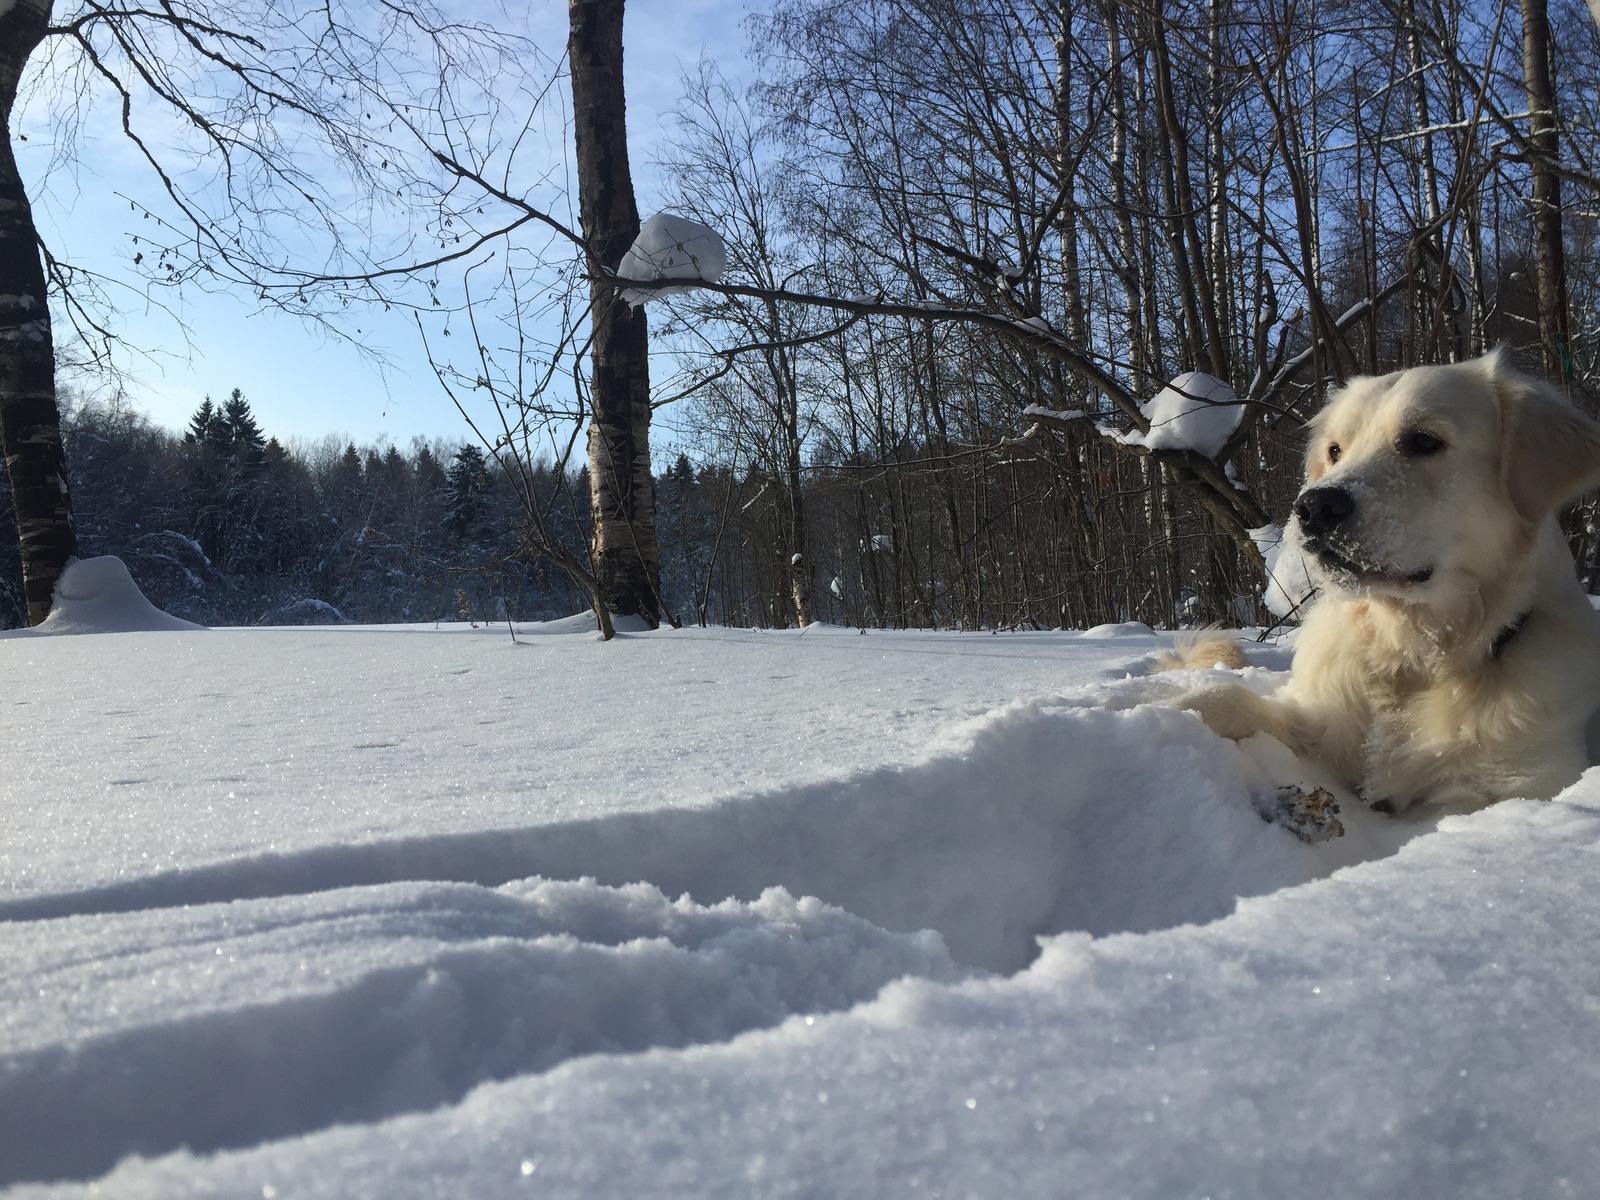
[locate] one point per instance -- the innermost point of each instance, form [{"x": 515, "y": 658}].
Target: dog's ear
[{"x": 1551, "y": 450}]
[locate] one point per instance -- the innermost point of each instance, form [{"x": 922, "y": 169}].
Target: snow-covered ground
[{"x": 432, "y": 912}]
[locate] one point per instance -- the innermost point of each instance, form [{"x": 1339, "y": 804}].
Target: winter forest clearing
[{"x": 738, "y": 760}]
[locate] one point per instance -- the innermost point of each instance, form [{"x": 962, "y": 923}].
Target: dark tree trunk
[
  {"x": 787, "y": 386},
  {"x": 627, "y": 563},
  {"x": 1189, "y": 259},
  {"x": 1546, "y": 145},
  {"x": 30, "y": 424},
  {"x": 1128, "y": 266}
]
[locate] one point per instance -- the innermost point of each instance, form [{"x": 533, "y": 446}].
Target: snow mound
[
  {"x": 329, "y": 1016},
  {"x": 330, "y": 996},
  {"x": 1195, "y": 411},
  {"x": 1119, "y": 629},
  {"x": 671, "y": 247},
  {"x": 309, "y": 611},
  {"x": 97, "y": 595},
  {"x": 1040, "y": 817}
]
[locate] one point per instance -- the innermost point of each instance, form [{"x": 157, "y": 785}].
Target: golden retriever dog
[{"x": 1450, "y": 656}]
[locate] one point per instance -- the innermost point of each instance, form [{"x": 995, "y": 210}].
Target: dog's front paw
[{"x": 1228, "y": 710}]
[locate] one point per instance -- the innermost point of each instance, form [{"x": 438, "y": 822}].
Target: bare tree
[
  {"x": 718, "y": 172},
  {"x": 970, "y": 238},
  {"x": 627, "y": 563},
  {"x": 1228, "y": 206},
  {"x": 277, "y": 137},
  {"x": 496, "y": 195},
  {"x": 1544, "y": 142},
  {"x": 30, "y": 424}
]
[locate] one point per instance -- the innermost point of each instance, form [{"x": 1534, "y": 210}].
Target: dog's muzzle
[
  {"x": 1321, "y": 510},
  {"x": 1324, "y": 516}
]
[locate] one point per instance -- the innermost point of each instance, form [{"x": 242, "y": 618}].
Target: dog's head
[{"x": 1419, "y": 481}]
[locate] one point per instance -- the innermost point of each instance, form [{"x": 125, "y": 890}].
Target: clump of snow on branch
[
  {"x": 1288, "y": 578},
  {"x": 671, "y": 247},
  {"x": 1195, "y": 411},
  {"x": 1055, "y": 414}
]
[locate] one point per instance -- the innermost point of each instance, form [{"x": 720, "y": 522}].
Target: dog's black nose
[{"x": 1323, "y": 509}]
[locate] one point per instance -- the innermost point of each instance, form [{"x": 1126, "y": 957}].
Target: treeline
[
  {"x": 965, "y": 238},
  {"x": 224, "y": 525}
]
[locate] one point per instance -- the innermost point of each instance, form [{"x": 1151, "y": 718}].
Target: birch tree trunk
[
  {"x": 786, "y": 388},
  {"x": 1077, "y": 325},
  {"x": 1189, "y": 259},
  {"x": 1127, "y": 260},
  {"x": 30, "y": 424},
  {"x": 627, "y": 563}
]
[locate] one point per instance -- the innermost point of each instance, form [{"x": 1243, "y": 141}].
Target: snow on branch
[
  {"x": 671, "y": 247},
  {"x": 1470, "y": 125},
  {"x": 1195, "y": 412},
  {"x": 1057, "y": 414}
]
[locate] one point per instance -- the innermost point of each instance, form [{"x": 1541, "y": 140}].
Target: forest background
[{"x": 965, "y": 237}]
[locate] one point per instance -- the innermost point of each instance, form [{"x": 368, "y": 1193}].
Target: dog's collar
[{"x": 1503, "y": 638}]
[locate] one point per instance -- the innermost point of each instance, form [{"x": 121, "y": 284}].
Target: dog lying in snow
[{"x": 1451, "y": 656}]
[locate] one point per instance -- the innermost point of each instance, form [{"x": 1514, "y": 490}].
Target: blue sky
[{"x": 301, "y": 383}]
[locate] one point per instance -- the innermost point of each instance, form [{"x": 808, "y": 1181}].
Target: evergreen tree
[
  {"x": 204, "y": 426},
  {"x": 239, "y": 436},
  {"x": 209, "y": 539},
  {"x": 344, "y": 485},
  {"x": 396, "y": 472},
  {"x": 226, "y": 490},
  {"x": 428, "y": 473},
  {"x": 206, "y": 485},
  {"x": 673, "y": 534},
  {"x": 467, "y": 486}
]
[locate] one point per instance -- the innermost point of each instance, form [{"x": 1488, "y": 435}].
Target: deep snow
[{"x": 427, "y": 912}]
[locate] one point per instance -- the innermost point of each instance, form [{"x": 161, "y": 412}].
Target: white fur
[{"x": 1396, "y": 685}]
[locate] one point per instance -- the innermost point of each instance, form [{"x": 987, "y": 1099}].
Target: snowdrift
[
  {"x": 97, "y": 595},
  {"x": 709, "y": 913}
]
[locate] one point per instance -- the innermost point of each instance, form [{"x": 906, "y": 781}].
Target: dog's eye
[
  {"x": 1419, "y": 444},
  {"x": 1333, "y": 452}
]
